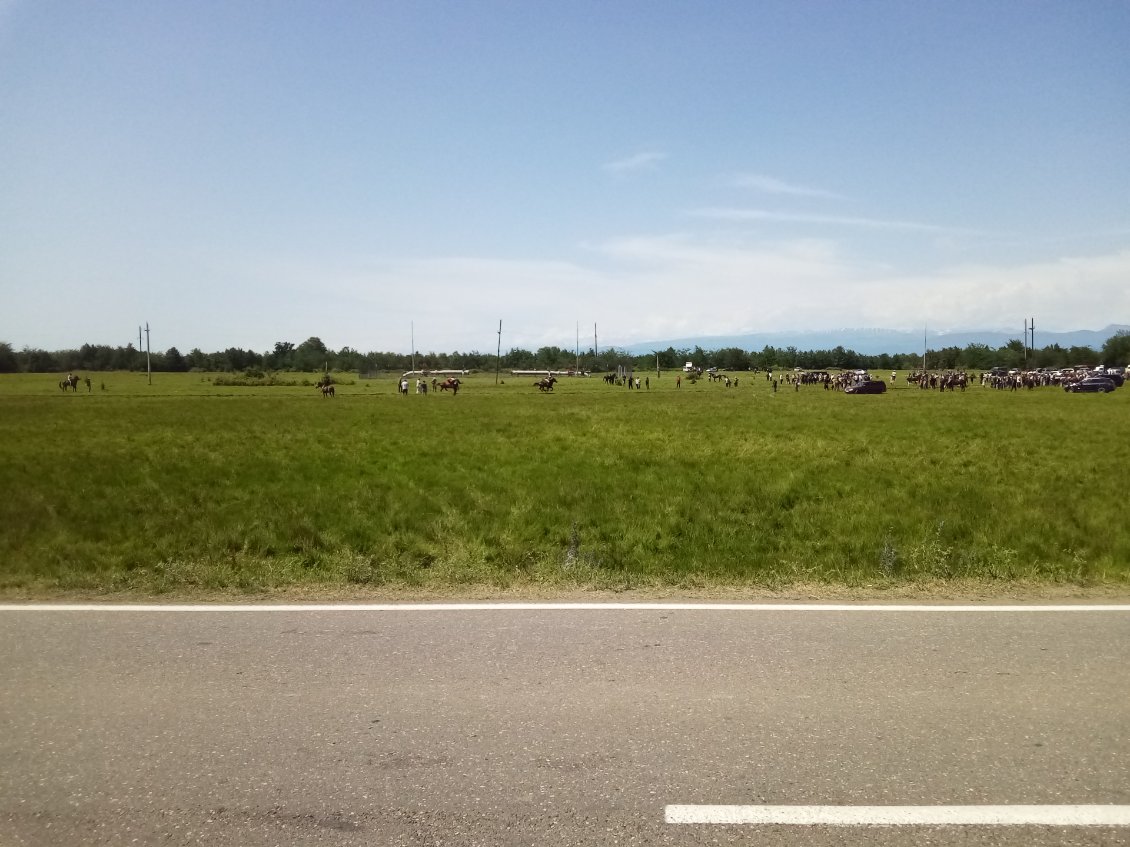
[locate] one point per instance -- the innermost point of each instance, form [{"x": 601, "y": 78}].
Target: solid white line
[
  {"x": 537, "y": 607},
  {"x": 902, "y": 815}
]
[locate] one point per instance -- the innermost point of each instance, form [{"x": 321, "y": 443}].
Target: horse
[
  {"x": 328, "y": 390},
  {"x": 69, "y": 381},
  {"x": 545, "y": 384},
  {"x": 452, "y": 383}
]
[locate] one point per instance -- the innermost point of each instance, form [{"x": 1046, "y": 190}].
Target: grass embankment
[{"x": 185, "y": 487}]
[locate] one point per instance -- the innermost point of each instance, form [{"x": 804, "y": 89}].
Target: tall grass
[{"x": 183, "y": 485}]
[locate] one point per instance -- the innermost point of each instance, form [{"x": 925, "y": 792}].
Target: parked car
[
  {"x": 871, "y": 386},
  {"x": 1113, "y": 374},
  {"x": 1090, "y": 384}
]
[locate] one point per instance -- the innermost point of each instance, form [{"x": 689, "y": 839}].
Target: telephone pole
[
  {"x": 498, "y": 354},
  {"x": 148, "y": 365}
]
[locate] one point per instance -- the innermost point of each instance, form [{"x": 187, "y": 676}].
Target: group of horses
[
  {"x": 326, "y": 386},
  {"x": 952, "y": 380}
]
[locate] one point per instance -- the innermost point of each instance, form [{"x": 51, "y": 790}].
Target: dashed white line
[{"x": 1013, "y": 815}]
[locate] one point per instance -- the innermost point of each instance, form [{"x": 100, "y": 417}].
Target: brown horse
[
  {"x": 69, "y": 382},
  {"x": 328, "y": 390},
  {"x": 452, "y": 383},
  {"x": 545, "y": 384}
]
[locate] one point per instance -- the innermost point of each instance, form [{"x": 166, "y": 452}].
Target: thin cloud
[
  {"x": 640, "y": 161},
  {"x": 638, "y": 288},
  {"x": 772, "y": 185},
  {"x": 727, "y": 214}
]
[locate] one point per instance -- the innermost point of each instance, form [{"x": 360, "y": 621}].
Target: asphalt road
[{"x": 529, "y": 727}]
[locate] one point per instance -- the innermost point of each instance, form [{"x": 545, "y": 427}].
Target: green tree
[
  {"x": 281, "y": 358},
  {"x": 311, "y": 355},
  {"x": 1082, "y": 356},
  {"x": 34, "y": 360},
  {"x": 8, "y": 362},
  {"x": 1012, "y": 354},
  {"x": 1052, "y": 356},
  {"x": 732, "y": 359},
  {"x": 174, "y": 361},
  {"x": 551, "y": 357},
  {"x": 671, "y": 358},
  {"x": 124, "y": 358},
  {"x": 946, "y": 358},
  {"x": 1116, "y": 350},
  {"x": 197, "y": 360},
  {"x": 977, "y": 357}
]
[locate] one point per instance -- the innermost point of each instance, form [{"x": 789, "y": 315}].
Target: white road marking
[
  {"x": 537, "y": 607},
  {"x": 1017, "y": 815}
]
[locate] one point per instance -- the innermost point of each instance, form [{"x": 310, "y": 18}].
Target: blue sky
[{"x": 241, "y": 173}]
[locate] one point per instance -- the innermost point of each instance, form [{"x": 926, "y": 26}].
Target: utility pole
[
  {"x": 577, "y": 349},
  {"x": 413, "y": 325},
  {"x": 498, "y": 354},
  {"x": 148, "y": 366}
]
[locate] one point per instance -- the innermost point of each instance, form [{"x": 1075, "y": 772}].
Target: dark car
[
  {"x": 871, "y": 386},
  {"x": 1091, "y": 384}
]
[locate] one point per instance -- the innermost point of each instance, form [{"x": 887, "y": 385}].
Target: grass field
[{"x": 184, "y": 486}]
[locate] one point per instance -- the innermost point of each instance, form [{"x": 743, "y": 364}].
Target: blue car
[
  {"x": 1091, "y": 384},
  {"x": 871, "y": 386}
]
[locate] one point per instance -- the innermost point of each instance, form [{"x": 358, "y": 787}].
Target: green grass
[{"x": 184, "y": 486}]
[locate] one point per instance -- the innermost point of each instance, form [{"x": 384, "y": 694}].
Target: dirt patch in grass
[{"x": 933, "y": 593}]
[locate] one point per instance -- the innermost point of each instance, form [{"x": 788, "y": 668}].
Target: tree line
[{"x": 313, "y": 355}]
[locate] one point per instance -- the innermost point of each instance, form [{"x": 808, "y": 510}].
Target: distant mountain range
[{"x": 874, "y": 342}]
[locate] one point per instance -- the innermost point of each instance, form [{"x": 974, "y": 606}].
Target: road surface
[{"x": 555, "y": 726}]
